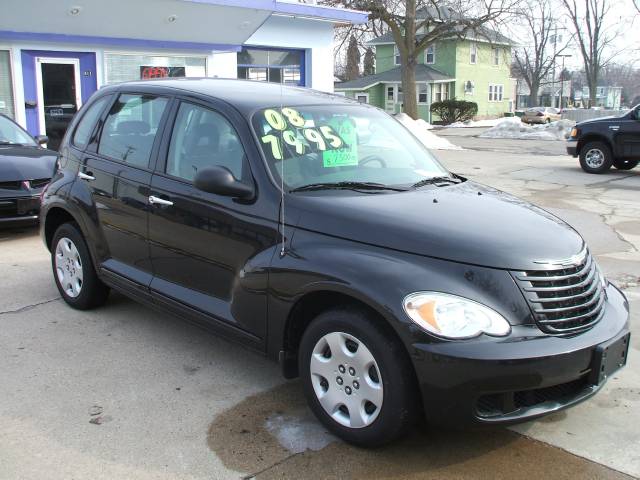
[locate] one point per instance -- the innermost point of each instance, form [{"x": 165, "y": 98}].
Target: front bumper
[
  {"x": 517, "y": 378},
  {"x": 572, "y": 148},
  {"x": 19, "y": 209}
]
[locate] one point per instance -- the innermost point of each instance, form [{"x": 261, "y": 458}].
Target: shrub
[{"x": 454, "y": 110}]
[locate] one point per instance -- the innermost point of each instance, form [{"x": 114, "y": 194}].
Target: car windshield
[
  {"x": 11, "y": 134},
  {"x": 342, "y": 145}
]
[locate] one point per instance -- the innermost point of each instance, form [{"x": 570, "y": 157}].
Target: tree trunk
[
  {"x": 533, "y": 94},
  {"x": 593, "y": 90},
  {"x": 409, "y": 87}
]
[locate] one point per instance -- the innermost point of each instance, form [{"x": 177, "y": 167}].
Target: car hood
[
  {"x": 601, "y": 120},
  {"x": 467, "y": 222},
  {"x": 25, "y": 163}
]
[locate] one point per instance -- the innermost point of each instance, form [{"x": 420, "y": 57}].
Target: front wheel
[
  {"x": 73, "y": 270},
  {"x": 625, "y": 164},
  {"x": 357, "y": 377},
  {"x": 595, "y": 157}
]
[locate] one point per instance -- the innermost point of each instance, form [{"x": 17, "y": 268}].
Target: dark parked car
[
  {"x": 25, "y": 168},
  {"x": 605, "y": 142},
  {"x": 321, "y": 233}
]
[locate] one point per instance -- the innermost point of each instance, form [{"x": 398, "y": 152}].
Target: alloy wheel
[
  {"x": 346, "y": 380},
  {"x": 594, "y": 158}
]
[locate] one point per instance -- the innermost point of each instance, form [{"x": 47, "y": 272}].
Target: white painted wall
[
  {"x": 223, "y": 65},
  {"x": 315, "y": 37}
]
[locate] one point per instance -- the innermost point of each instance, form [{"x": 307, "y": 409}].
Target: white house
[{"x": 54, "y": 55}]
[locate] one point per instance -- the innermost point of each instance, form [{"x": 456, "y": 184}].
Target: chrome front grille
[{"x": 564, "y": 299}]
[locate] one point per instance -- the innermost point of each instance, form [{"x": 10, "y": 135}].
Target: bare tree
[
  {"x": 353, "y": 59},
  {"x": 536, "y": 58},
  {"x": 594, "y": 34},
  {"x": 455, "y": 18}
]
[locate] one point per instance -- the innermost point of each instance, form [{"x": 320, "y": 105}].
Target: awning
[{"x": 176, "y": 24}]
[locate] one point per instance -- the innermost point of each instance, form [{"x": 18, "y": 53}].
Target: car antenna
[{"x": 282, "y": 248}]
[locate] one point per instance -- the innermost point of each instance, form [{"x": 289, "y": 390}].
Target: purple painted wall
[{"x": 88, "y": 83}]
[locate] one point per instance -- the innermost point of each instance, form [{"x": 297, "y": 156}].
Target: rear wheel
[
  {"x": 73, "y": 270},
  {"x": 625, "y": 164},
  {"x": 357, "y": 378},
  {"x": 595, "y": 157}
]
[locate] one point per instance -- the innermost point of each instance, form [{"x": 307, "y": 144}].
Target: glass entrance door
[{"x": 59, "y": 96}]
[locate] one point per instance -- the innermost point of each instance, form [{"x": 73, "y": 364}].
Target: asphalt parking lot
[{"x": 125, "y": 392}]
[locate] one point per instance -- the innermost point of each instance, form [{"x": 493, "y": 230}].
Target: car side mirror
[
  {"x": 41, "y": 139},
  {"x": 220, "y": 180}
]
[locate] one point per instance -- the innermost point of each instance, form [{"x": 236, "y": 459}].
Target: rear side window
[
  {"x": 130, "y": 128},
  {"x": 82, "y": 135}
]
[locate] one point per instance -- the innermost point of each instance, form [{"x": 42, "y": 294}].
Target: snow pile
[
  {"x": 514, "y": 128},
  {"x": 420, "y": 129},
  {"x": 492, "y": 122}
]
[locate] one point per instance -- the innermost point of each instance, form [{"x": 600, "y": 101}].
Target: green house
[{"x": 474, "y": 68}]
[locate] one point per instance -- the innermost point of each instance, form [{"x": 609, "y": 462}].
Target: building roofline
[
  {"x": 320, "y": 12},
  {"x": 293, "y": 8},
  {"x": 373, "y": 42},
  {"x": 118, "y": 41}
]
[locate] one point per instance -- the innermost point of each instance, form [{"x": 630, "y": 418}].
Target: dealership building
[{"x": 54, "y": 55}]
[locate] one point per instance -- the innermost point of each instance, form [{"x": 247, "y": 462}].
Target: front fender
[{"x": 379, "y": 278}]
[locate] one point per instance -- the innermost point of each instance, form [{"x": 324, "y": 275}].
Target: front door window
[{"x": 203, "y": 138}]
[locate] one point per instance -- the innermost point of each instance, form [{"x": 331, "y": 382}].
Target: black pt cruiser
[{"x": 322, "y": 234}]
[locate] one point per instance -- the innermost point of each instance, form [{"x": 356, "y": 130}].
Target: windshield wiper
[
  {"x": 435, "y": 180},
  {"x": 5, "y": 142},
  {"x": 347, "y": 186}
]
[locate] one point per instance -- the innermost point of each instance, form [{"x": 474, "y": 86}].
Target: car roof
[{"x": 245, "y": 95}]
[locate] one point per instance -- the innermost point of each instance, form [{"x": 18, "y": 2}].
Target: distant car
[
  {"x": 608, "y": 141},
  {"x": 541, "y": 115},
  {"x": 25, "y": 169}
]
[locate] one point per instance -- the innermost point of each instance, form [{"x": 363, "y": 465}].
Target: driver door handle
[
  {"x": 86, "y": 176},
  {"x": 159, "y": 201}
]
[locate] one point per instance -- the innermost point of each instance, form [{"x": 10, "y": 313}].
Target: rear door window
[
  {"x": 83, "y": 132},
  {"x": 130, "y": 128}
]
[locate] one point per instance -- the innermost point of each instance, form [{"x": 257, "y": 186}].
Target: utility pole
[{"x": 562, "y": 80}]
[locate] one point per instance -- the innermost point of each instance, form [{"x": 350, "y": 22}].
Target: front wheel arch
[{"x": 311, "y": 304}]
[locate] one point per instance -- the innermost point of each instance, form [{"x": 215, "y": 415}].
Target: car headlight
[{"x": 451, "y": 316}]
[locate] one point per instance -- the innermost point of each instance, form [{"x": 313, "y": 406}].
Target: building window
[
  {"x": 390, "y": 93},
  {"x": 430, "y": 55},
  {"x": 6, "y": 89},
  {"x": 400, "y": 94},
  {"x": 362, "y": 97},
  {"x": 396, "y": 56},
  {"x": 495, "y": 92},
  {"x": 440, "y": 92},
  {"x": 423, "y": 93},
  {"x": 122, "y": 67},
  {"x": 271, "y": 65},
  {"x": 469, "y": 87},
  {"x": 496, "y": 56},
  {"x": 473, "y": 55}
]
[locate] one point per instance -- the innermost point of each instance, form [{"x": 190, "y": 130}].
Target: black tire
[
  {"x": 400, "y": 395},
  {"x": 93, "y": 292},
  {"x": 625, "y": 164},
  {"x": 547, "y": 121},
  {"x": 594, "y": 148}
]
